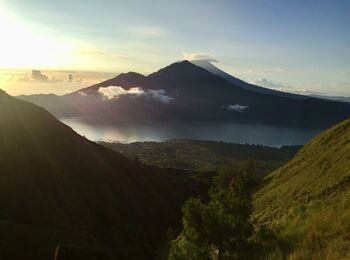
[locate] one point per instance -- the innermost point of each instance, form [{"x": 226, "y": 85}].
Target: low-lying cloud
[
  {"x": 159, "y": 94},
  {"x": 267, "y": 84},
  {"x": 70, "y": 78},
  {"x": 38, "y": 76},
  {"x": 237, "y": 108},
  {"x": 284, "y": 88},
  {"x": 114, "y": 92}
]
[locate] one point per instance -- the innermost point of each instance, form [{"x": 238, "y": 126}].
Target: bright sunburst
[{"x": 21, "y": 47}]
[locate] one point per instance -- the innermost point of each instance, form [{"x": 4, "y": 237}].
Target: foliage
[
  {"x": 195, "y": 155},
  {"x": 222, "y": 228}
]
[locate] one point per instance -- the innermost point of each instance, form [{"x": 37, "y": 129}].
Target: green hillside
[
  {"x": 60, "y": 191},
  {"x": 307, "y": 201}
]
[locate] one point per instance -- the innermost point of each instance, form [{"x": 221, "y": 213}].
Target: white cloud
[
  {"x": 267, "y": 83},
  {"x": 237, "y": 108},
  {"x": 284, "y": 88},
  {"x": 199, "y": 56},
  {"x": 160, "y": 95},
  {"x": 114, "y": 92}
]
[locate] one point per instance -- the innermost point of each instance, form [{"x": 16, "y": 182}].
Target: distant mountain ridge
[
  {"x": 186, "y": 92},
  {"x": 334, "y": 98}
]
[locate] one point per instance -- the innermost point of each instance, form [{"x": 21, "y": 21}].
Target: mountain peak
[
  {"x": 130, "y": 74},
  {"x": 180, "y": 70}
]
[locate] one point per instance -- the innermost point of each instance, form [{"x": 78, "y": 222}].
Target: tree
[{"x": 220, "y": 229}]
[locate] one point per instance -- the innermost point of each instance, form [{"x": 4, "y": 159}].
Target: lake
[{"x": 228, "y": 132}]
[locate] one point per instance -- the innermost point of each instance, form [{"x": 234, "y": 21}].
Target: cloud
[
  {"x": 283, "y": 88},
  {"x": 25, "y": 78},
  {"x": 114, "y": 92},
  {"x": 54, "y": 80},
  {"x": 199, "y": 56},
  {"x": 38, "y": 76},
  {"x": 159, "y": 94},
  {"x": 70, "y": 78},
  {"x": 237, "y": 108},
  {"x": 267, "y": 83}
]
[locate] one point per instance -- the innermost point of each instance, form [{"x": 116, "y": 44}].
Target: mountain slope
[
  {"x": 215, "y": 70},
  {"x": 242, "y": 84},
  {"x": 308, "y": 199},
  {"x": 56, "y": 187},
  {"x": 336, "y": 98},
  {"x": 185, "y": 92}
]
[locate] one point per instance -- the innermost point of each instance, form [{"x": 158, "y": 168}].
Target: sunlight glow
[{"x": 21, "y": 48}]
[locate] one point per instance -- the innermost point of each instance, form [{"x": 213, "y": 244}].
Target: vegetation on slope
[
  {"x": 223, "y": 227},
  {"x": 307, "y": 201},
  {"x": 59, "y": 190},
  {"x": 195, "y": 155},
  {"x": 300, "y": 211}
]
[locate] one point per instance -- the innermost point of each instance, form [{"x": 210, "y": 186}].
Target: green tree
[{"x": 220, "y": 229}]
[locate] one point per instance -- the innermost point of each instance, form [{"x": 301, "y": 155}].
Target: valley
[
  {"x": 95, "y": 202},
  {"x": 174, "y": 130}
]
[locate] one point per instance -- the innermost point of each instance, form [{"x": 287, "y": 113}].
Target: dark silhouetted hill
[{"x": 59, "y": 190}]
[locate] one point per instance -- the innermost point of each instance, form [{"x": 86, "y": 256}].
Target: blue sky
[{"x": 291, "y": 45}]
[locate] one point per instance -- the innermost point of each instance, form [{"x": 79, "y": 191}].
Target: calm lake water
[{"x": 227, "y": 132}]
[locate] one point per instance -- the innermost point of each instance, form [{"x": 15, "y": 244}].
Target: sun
[{"x": 22, "y": 47}]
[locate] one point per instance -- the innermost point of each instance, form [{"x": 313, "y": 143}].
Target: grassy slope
[
  {"x": 57, "y": 187},
  {"x": 308, "y": 200}
]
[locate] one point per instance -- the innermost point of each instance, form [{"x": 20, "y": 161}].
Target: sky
[{"x": 298, "y": 46}]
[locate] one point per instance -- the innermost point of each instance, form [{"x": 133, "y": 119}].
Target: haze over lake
[{"x": 215, "y": 131}]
